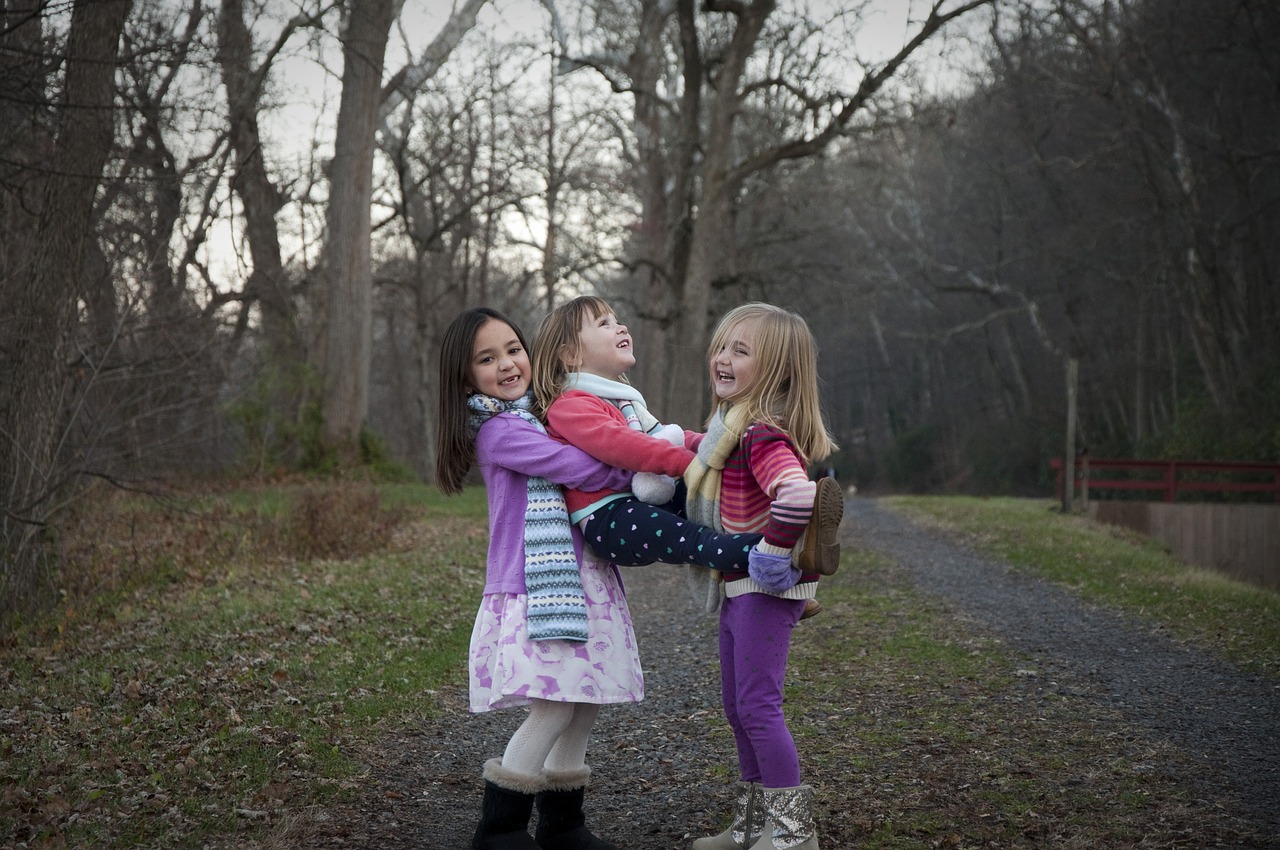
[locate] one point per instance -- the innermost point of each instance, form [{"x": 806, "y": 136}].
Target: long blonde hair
[
  {"x": 784, "y": 392},
  {"x": 557, "y": 340}
]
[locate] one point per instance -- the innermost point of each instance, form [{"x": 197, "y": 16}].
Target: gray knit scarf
[{"x": 552, "y": 577}]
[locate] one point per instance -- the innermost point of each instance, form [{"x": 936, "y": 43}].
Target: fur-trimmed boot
[
  {"x": 504, "y": 814},
  {"x": 790, "y": 811},
  {"x": 747, "y": 824},
  {"x": 562, "y": 825}
]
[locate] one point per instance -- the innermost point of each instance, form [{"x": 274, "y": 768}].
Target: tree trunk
[
  {"x": 1069, "y": 455},
  {"x": 711, "y": 244},
  {"x": 347, "y": 340},
  {"x": 710, "y": 256},
  {"x": 261, "y": 200},
  {"x": 44, "y": 295},
  {"x": 663, "y": 174}
]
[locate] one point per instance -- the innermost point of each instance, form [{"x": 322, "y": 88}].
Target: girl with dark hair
[{"x": 553, "y": 631}]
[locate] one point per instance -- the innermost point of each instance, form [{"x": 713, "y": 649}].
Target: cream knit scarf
[{"x": 703, "y": 478}]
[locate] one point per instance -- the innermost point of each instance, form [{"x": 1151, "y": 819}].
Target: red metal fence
[{"x": 1171, "y": 477}]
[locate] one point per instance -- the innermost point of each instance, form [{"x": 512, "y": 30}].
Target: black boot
[
  {"x": 504, "y": 814},
  {"x": 561, "y": 822}
]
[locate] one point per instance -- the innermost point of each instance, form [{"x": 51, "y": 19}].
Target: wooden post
[
  {"x": 1084, "y": 478},
  {"x": 1069, "y": 458}
]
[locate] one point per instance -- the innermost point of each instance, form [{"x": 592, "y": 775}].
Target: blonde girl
[
  {"x": 751, "y": 476},
  {"x": 553, "y": 631}
]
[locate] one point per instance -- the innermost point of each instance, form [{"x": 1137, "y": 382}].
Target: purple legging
[{"x": 755, "y": 637}]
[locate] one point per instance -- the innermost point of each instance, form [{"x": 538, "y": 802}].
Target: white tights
[{"x": 553, "y": 737}]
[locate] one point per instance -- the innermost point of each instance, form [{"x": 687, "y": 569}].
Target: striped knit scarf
[
  {"x": 703, "y": 478},
  {"x": 557, "y": 604}
]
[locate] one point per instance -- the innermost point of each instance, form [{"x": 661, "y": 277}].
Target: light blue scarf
[
  {"x": 557, "y": 604},
  {"x": 627, "y": 398}
]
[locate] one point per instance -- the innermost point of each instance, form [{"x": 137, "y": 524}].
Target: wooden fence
[
  {"x": 1170, "y": 478},
  {"x": 1240, "y": 540}
]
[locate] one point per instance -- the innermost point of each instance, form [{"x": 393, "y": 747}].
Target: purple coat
[{"x": 508, "y": 451}]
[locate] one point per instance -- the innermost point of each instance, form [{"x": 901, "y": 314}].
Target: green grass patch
[
  {"x": 222, "y": 685},
  {"x": 1114, "y": 567}
]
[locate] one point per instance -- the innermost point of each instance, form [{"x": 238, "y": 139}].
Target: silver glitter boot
[
  {"x": 747, "y": 825},
  {"x": 790, "y": 811}
]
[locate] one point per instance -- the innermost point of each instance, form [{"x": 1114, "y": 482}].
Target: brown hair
[
  {"x": 556, "y": 342},
  {"x": 785, "y": 390},
  {"x": 455, "y": 444}
]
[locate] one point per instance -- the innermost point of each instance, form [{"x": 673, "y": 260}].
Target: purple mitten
[{"x": 772, "y": 572}]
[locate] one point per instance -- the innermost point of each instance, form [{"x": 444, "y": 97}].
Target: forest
[{"x": 231, "y": 234}]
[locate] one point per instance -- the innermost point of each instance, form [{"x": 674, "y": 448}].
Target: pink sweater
[
  {"x": 598, "y": 428},
  {"x": 765, "y": 488}
]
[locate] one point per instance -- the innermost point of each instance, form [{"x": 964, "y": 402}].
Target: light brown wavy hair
[{"x": 556, "y": 345}]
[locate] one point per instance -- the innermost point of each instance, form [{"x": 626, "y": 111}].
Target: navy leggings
[{"x": 629, "y": 533}]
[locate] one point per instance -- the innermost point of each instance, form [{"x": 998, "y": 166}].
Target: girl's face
[
  {"x": 499, "y": 363},
  {"x": 733, "y": 367},
  {"x": 604, "y": 347}
]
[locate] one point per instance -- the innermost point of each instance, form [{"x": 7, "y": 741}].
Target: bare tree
[
  {"x": 40, "y": 297},
  {"x": 698, "y": 155},
  {"x": 344, "y": 332},
  {"x": 345, "y": 343},
  {"x": 1050, "y": 215}
]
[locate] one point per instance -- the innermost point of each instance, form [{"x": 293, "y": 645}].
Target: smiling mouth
[{"x": 626, "y": 343}]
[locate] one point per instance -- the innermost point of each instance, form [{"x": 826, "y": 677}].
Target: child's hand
[
  {"x": 673, "y": 434},
  {"x": 774, "y": 573},
  {"x": 653, "y": 488}
]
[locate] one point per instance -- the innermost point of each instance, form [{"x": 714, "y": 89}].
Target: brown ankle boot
[
  {"x": 812, "y": 608},
  {"x": 820, "y": 552}
]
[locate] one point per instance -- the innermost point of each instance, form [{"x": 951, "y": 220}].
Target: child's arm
[
  {"x": 519, "y": 446},
  {"x": 693, "y": 439},
  {"x": 586, "y": 422},
  {"x": 781, "y": 474},
  {"x": 783, "y": 478}
]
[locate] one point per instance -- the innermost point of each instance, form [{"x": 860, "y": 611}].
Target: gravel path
[
  {"x": 1228, "y": 720},
  {"x": 662, "y": 767}
]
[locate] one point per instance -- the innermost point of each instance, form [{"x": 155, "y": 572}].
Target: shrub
[{"x": 338, "y": 521}]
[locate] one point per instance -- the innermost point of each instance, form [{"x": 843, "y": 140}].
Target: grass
[
  {"x": 1115, "y": 567},
  {"x": 222, "y": 667},
  {"x": 193, "y": 708}
]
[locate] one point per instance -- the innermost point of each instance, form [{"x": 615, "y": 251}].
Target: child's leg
[
  {"x": 760, "y": 626},
  {"x": 570, "y": 750},
  {"x": 528, "y": 748},
  {"x": 748, "y": 769},
  {"x": 512, "y": 782},
  {"x": 629, "y": 533},
  {"x": 562, "y": 820}
]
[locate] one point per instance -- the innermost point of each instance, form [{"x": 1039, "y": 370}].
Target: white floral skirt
[{"x": 507, "y": 669}]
